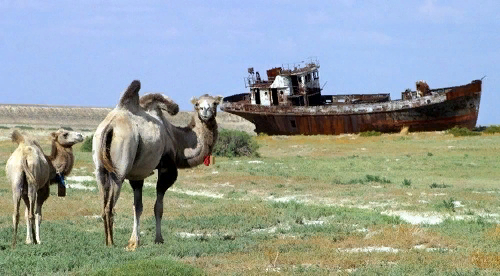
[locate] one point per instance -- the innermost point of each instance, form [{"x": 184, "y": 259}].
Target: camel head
[
  {"x": 66, "y": 138},
  {"x": 206, "y": 106}
]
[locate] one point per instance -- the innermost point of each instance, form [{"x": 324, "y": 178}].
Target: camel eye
[{"x": 65, "y": 135}]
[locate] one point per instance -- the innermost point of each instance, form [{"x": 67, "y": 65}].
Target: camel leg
[
  {"x": 29, "y": 214},
  {"x": 167, "y": 174},
  {"x": 42, "y": 195},
  {"x": 110, "y": 192},
  {"x": 15, "y": 217},
  {"x": 134, "y": 239}
]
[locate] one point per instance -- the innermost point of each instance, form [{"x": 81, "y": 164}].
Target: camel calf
[{"x": 30, "y": 173}]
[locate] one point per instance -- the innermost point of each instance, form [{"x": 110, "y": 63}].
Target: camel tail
[
  {"x": 130, "y": 97},
  {"x": 17, "y": 137},
  {"x": 27, "y": 154},
  {"x": 105, "y": 148}
]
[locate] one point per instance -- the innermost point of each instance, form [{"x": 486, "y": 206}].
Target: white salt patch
[
  {"x": 149, "y": 184},
  {"x": 397, "y": 159},
  {"x": 369, "y": 249},
  {"x": 431, "y": 249},
  {"x": 282, "y": 199},
  {"x": 423, "y": 201},
  {"x": 439, "y": 194},
  {"x": 190, "y": 235},
  {"x": 271, "y": 268},
  {"x": 415, "y": 218},
  {"x": 269, "y": 230},
  {"x": 215, "y": 172},
  {"x": 255, "y": 162},
  {"x": 80, "y": 187},
  {"x": 457, "y": 204},
  {"x": 196, "y": 193},
  {"x": 227, "y": 184},
  {"x": 80, "y": 178},
  {"x": 363, "y": 148},
  {"x": 272, "y": 229},
  {"x": 377, "y": 187},
  {"x": 363, "y": 230},
  {"x": 410, "y": 194},
  {"x": 313, "y": 222},
  {"x": 93, "y": 217}
]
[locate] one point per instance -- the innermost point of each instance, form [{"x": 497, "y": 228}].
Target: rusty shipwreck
[{"x": 290, "y": 102}]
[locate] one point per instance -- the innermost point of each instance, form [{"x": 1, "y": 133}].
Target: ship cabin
[{"x": 291, "y": 85}]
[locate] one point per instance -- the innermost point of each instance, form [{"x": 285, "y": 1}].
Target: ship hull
[{"x": 457, "y": 106}]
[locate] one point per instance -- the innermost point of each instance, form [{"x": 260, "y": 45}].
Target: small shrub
[
  {"x": 449, "y": 205},
  {"x": 234, "y": 143},
  {"x": 442, "y": 186},
  {"x": 370, "y": 133},
  {"x": 87, "y": 144},
  {"x": 430, "y": 154},
  {"x": 462, "y": 131},
  {"x": 67, "y": 128},
  {"x": 367, "y": 179},
  {"x": 25, "y": 127},
  {"x": 406, "y": 182},
  {"x": 378, "y": 179},
  {"x": 492, "y": 129}
]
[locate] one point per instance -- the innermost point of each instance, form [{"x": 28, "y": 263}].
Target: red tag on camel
[{"x": 206, "y": 160}]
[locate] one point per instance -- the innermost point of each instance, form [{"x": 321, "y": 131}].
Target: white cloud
[{"x": 436, "y": 12}]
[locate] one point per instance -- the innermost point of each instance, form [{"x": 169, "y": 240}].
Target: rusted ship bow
[{"x": 290, "y": 102}]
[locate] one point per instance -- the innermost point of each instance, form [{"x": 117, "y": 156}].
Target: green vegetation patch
[
  {"x": 492, "y": 129},
  {"x": 462, "y": 131},
  {"x": 370, "y": 133},
  {"x": 87, "y": 144},
  {"x": 24, "y": 127},
  {"x": 158, "y": 266},
  {"x": 235, "y": 143}
]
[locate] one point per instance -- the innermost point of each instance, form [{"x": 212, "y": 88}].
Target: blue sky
[{"x": 86, "y": 52}]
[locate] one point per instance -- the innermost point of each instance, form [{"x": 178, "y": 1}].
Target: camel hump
[
  {"x": 17, "y": 137},
  {"x": 157, "y": 100},
  {"x": 130, "y": 97}
]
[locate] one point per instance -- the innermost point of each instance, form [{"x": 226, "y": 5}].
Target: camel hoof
[
  {"x": 132, "y": 246},
  {"x": 159, "y": 241}
]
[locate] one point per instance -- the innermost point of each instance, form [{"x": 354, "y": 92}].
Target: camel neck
[
  {"x": 200, "y": 139},
  {"x": 61, "y": 158}
]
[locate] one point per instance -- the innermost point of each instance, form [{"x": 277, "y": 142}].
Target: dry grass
[{"x": 322, "y": 172}]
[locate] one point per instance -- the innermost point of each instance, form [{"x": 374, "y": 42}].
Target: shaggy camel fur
[
  {"x": 31, "y": 172},
  {"x": 136, "y": 138}
]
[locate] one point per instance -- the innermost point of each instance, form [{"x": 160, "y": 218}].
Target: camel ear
[
  {"x": 194, "y": 100},
  {"x": 53, "y": 135},
  {"x": 218, "y": 99}
]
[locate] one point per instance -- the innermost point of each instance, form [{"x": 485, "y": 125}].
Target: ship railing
[
  {"x": 296, "y": 66},
  {"x": 242, "y": 97}
]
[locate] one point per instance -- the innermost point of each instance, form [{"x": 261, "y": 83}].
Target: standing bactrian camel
[
  {"x": 30, "y": 173},
  {"x": 136, "y": 138}
]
